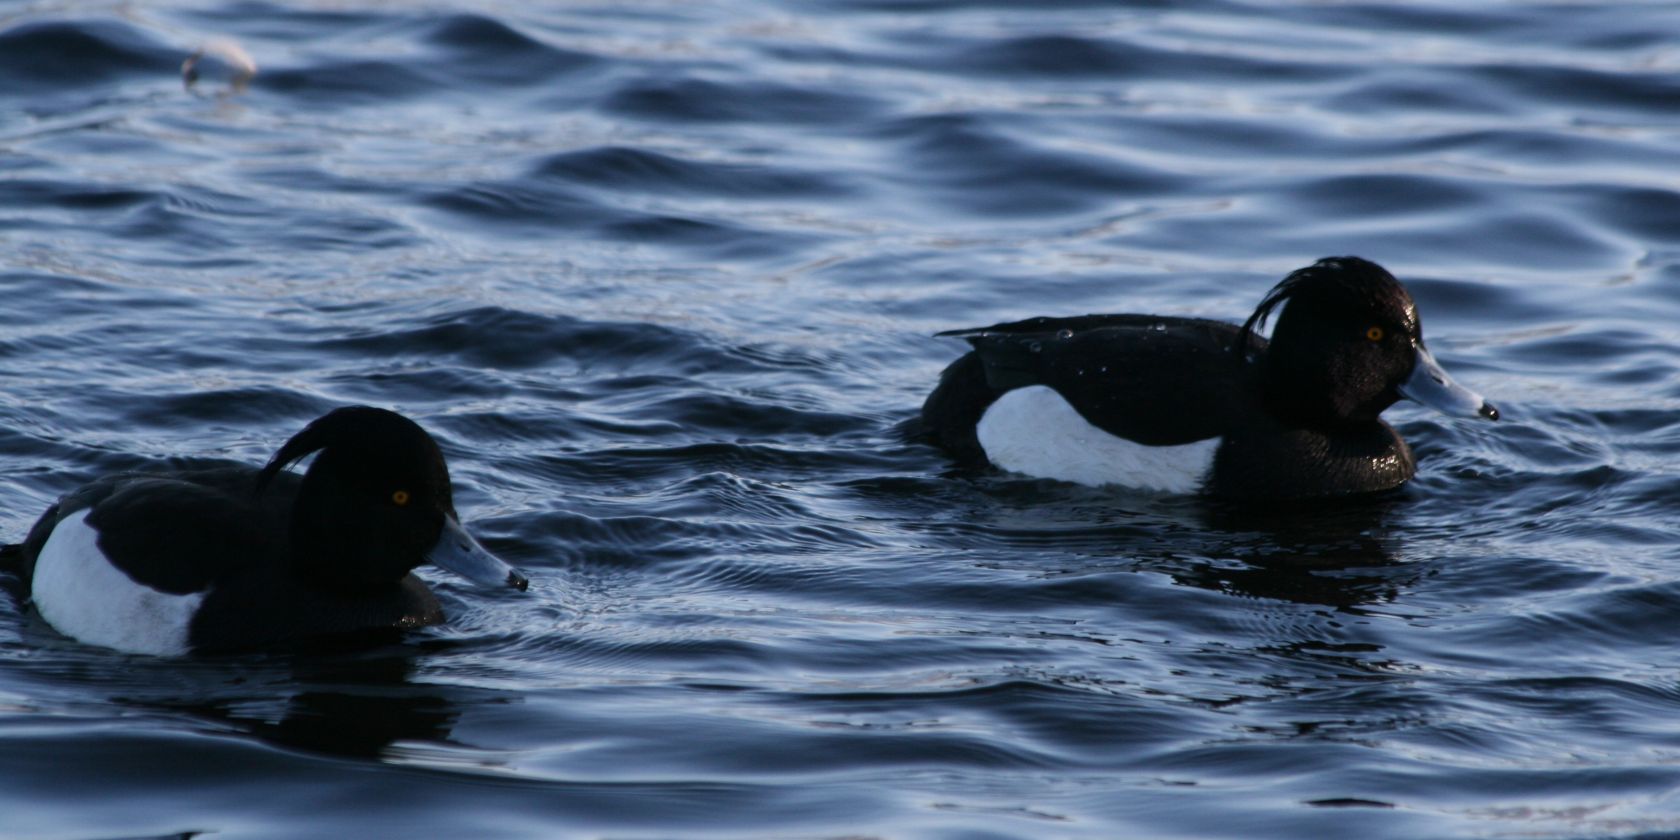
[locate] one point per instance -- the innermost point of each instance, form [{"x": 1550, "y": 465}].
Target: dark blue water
[{"x": 661, "y": 276}]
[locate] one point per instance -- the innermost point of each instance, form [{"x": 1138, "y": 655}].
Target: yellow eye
[
  {"x": 399, "y": 498},
  {"x": 1374, "y": 333}
]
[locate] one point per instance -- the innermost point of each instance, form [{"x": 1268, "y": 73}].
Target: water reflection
[
  {"x": 351, "y": 698},
  {"x": 1339, "y": 554},
  {"x": 344, "y": 703}
]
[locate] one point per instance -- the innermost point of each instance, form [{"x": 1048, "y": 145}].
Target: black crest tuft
[
  {"x": 370, "y": 430},
  {"x": 1353, "y": 277}
]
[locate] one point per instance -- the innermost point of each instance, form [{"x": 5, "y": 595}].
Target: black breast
[
  {"x": 1266, "y": 461},
  {"x": 268, "y": 608}
]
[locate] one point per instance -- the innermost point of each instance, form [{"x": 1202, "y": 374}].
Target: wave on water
[{"x": 663, "y": 278}]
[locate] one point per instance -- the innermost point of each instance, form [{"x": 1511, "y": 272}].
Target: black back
[{"x": 1156, "y": 380}]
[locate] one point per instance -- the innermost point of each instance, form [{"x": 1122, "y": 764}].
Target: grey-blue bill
[
  {"x": 457, "y": 551},
  {"x": 1431, "y": 385}
]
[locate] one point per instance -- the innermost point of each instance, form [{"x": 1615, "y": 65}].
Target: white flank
[
  {"x": 86, "y": 598},
  {"x": 1034, "y": 431}
]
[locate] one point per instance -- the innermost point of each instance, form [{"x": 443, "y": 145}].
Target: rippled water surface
[{"x": 662, "y": 278}]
